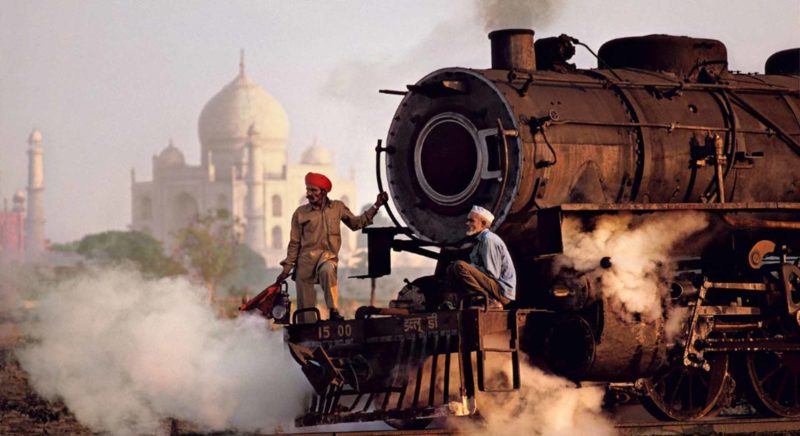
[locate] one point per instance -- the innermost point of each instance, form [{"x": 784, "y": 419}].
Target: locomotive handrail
[
  {"x": 378, "y": 150},
  {"x": 668, "y": 126},
  {"x": 313, "y": 310},
  {"x": 502, "y": 132},
  {"x": 410, "y": 235},
  {"x": 657, "y": 207},
  {"x": 599, "y": 59},
  {"x": 668, "y": 84}
]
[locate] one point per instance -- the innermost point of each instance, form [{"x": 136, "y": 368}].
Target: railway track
[{"x": 775, "y": 426}]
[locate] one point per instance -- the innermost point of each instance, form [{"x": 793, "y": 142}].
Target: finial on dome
[{"x": 241, "y": 62}]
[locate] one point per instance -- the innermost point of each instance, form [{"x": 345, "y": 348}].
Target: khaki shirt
[{"x": 316, "y": 236}]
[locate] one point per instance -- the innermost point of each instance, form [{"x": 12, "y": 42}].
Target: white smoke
[
  {"x": 506, "y": 14},
  {"x": 123, "y": 353},
  {"x": 640, "y": 249},
  {"x": 545, "y": 405},
  {"x": 675, "y": 324}
]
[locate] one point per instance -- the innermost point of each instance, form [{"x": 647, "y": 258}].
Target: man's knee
[
  {"x": 328, "y": 269},
  {"x": 458, "y": 268}
]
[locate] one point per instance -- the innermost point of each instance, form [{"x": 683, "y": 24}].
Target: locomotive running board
[{"x": 423, "y": 346}]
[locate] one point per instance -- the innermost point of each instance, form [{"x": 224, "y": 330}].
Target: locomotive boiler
[{"x": 659, "y": 130}]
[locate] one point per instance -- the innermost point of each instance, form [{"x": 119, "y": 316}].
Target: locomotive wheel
[
  {"x": 682, "y": 393},
  {"x": 775, "y": 379}
]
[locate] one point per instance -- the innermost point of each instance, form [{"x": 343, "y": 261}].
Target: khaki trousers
[
  {"x": 307, "y": 295},
  {"x": 466, "y": 279}
]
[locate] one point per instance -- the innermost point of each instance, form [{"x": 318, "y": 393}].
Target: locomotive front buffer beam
[{"x": 406, "y": 366}]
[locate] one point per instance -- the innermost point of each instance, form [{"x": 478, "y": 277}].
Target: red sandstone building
[{"x": 12, "y": 229}]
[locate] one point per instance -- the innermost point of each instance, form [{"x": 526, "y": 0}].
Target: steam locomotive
[{"x": 661, "y": 128}]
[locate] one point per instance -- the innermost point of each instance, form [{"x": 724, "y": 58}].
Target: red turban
[{"x": 319, "y": 180}]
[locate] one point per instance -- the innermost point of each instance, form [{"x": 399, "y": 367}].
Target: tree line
[{"x": 208, "y": 250}]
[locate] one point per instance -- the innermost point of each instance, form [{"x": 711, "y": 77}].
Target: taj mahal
[{"x": 244, "y": 168}]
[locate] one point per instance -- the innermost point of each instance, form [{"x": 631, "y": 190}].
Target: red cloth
[
  {"x": 263, "y": 301},
  {"x": 319, "y": 180}
]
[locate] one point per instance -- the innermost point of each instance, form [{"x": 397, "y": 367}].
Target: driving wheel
[
  {"x": 774, "y": 377},
  {"x": 684, "y": 393}
]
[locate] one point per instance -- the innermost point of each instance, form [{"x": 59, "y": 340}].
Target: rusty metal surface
[
  {"x": 662, "y": 128},
  {"x": 655, "y": 207},
  {"x": 512, "y": 49},
  {"x": 609, "y": 348},
  {"x": 601, "y": 136},
  {"x": 684, "y": 56},
  {"x": 784, "y": 62}
]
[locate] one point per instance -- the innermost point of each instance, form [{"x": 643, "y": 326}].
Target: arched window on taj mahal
[
  {"x": 277, "y": 209},
  {"x": 277, "y": 237},
  {"x": 183, "y": 210},
  {"x": 146, "y": 208}
]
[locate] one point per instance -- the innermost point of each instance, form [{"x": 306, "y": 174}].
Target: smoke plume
[
  {"x": 506, "y": 14},
  {"x": 123, "y": 353},
  {"x": 545, "y": 405},
  {"x": 639, "y": 249}
]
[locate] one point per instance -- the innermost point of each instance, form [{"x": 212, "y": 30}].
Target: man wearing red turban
[{"x": 315, "y": 240}]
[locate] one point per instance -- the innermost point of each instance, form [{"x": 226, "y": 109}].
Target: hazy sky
[{"x": 110, "y": 82}]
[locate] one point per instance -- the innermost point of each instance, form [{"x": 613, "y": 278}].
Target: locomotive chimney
[{"x": 512, "y": 49}]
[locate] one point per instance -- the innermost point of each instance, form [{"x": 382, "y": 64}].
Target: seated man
[{"x": 490, "y": 270}]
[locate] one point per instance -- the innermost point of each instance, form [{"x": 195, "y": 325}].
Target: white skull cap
[{"x": 485, "y": 214}]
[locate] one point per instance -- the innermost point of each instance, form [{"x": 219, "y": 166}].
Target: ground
[{"x": 23, "y": 412}]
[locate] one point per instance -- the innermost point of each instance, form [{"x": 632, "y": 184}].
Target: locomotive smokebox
[{"x": 512, "y": 49}]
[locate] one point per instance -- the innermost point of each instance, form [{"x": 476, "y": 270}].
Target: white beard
[{"x": 473, "y": 232}]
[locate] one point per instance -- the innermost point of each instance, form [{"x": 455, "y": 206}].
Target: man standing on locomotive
[
  {"x": 315, "y": 240},
  {"x": 490, "y": 270}
]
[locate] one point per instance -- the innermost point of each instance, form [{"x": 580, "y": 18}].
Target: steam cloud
[
  {"x": 355, "y": 81},
  {"x": 640, "y": 249},
  {"x": 545, "y": 405},
  {"x": 124, "y": 353},
  {"x": 503, "y": 14}
]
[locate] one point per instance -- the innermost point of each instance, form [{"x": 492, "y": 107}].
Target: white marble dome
[
  {"x": 171, "y": 156},
  {"x": 316, "y": 155},
  {"x": 19, "y": 197},
  {"x": 226, "y": 118}
]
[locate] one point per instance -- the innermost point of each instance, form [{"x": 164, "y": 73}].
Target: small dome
[
  {"x": 316, "y": 155},
  {"x": 19, "y": 197},
  {"x": 226, "y": 118},
  {"x": 35, "y": 137},
  {"x": 171, "y": 156}
]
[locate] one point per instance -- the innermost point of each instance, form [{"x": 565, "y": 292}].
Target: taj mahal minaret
[
  {"x": 254, "y": 235},
  {"x": 34, "y": 223}
]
